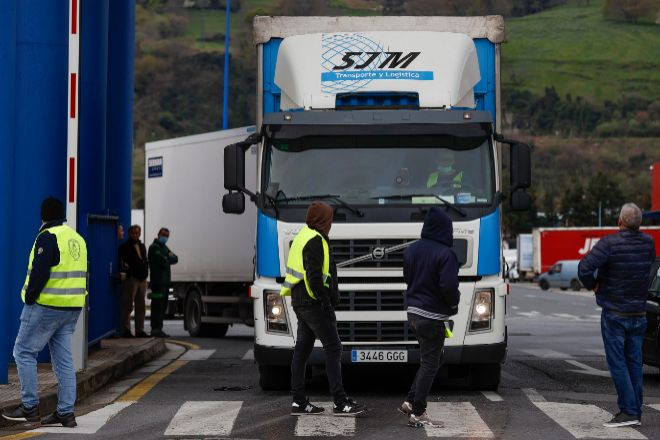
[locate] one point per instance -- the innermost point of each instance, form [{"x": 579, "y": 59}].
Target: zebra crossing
[{"x": 462, "y": 419}]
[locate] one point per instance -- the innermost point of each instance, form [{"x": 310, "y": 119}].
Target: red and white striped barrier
[{"x": 72, "y": 130}]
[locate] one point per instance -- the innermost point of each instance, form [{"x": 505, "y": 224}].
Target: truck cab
[{"x": 382, "y": 125}]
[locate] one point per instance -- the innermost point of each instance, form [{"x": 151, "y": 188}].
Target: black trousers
[
  {"x": 431, "y": 337},
  {"x": 158, "y": 307},
  {"x": 317, "y": 322}
]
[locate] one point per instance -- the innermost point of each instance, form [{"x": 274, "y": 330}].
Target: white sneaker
[
  {"x": 405, "y": 408},
  {"x": 423, "y": 421}
]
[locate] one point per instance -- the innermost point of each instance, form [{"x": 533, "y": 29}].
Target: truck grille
[
  {"x": 378, "y": 331},
  {"x": 343, "y": 250},
  {"x": 378, "y": 300}
]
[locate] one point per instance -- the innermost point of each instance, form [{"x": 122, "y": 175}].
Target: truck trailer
[
  {"x": 210, "y": 283},
  {"x": 366, "y": 113},
  {"x": 553, "y": 244}
]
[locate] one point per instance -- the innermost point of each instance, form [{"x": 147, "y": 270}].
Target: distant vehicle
[
  {"x": 651, "y": 347},
  {"x": 553, "y": 244},
  {"x": 512, "y": 273},
  {"x": 562, "y": 274},
  {"x": 525, "y": 255},
  {"x": 216, "y": 268}
]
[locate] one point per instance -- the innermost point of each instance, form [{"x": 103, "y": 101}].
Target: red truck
[{"x": 553, "y": 244}]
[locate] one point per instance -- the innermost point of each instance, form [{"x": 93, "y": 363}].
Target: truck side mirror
[
  {"x": 234, "y": 168},
  {"x": 521, "y": 166},
  {"x": 233, "y": 203},
  {"x": 520, "y": 201}
]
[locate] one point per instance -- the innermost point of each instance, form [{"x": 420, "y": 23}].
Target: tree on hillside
[
  {"x": 301, "y": 8},
  {"x": 629, "y": 10}
]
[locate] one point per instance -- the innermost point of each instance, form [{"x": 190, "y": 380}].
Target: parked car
[
  {"x": 651, "y": 347},
  {"x": 562, "y": 274}
]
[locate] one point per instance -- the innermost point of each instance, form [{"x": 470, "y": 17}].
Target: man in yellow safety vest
[
  {"x": 54, "y": 293},
  {"x": 311, "y": 281}
]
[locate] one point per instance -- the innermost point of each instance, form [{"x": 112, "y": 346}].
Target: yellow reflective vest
[
  {"x": 295, "y": 269},
  {"x": 67, "y": 284},
  {"x": 456, "y": 181}
]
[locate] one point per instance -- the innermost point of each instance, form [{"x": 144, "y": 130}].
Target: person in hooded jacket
[
  {"x": 314, "y": 294},
  {"x": 430, "y": 269}
]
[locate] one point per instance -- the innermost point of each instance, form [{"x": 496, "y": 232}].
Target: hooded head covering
[
  {"x": 319, "y": 217},
  {"x": 438, "y": 227}
]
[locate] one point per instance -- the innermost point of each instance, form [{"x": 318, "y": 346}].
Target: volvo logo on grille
[{"x": 378, "y": 253}]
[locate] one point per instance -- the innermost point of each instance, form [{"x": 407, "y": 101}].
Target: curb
[{"x": 91, "y": 380}]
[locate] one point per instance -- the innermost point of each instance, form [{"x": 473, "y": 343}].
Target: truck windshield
[{"x": 379, "y": 170}]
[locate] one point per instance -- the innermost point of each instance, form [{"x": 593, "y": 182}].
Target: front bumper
[{"x": 464, "y": 355}]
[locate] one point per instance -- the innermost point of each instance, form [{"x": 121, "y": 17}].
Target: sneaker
[
  {"x": 22, "y": 414},
  {"x": 66, "y": 420},
  {"x": 305, "y": 408},
  {"x": 423, "y": 421},
  {"x": 348, "y": 407},
  {"x": 623, "y": 419},
  {"x": 405, "y": 408}
]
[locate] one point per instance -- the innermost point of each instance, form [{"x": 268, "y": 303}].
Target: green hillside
[{"x": 576, "y": 50}]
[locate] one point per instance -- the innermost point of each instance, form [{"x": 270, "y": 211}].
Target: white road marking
[
  {"x": 91, "y": 422},
  {"x": 533, "y": 395},
  {"x": 325, "y": 425},
  {"x": 585, "y": 421},
  {"x": 655, "y": 406},
  {"x": 598, "y": 351},
  {"x": 515, "y": 307},
  {"x": 249, "y": 355},
  {"x": 492, "y": 396},
  {"x": 205, "y": 418},
  {"x": 546, "y": 354},
  {"x": 586, "y": 369},
  {"x": 197, "y": 355},
  {"x": 532, "y": 314},
  {"x": 460, "y": 419}
]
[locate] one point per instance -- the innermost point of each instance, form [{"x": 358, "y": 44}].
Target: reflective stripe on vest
[
  {"x": 67, "y": 283},
  {"x": 295, "y": 268},
  {"x": 456, "y": 181}
]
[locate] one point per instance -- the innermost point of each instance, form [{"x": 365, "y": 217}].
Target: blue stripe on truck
[
  {"x": 268, "y": 256},
  {"x": 490, "y": 255}
]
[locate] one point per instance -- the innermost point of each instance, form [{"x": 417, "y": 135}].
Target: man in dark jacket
[
  {"x": 312, "y": 283},
  {"x": 135, "y": 268},
  {"x": 160, "y": 260},
  {"x": 430, "y": 268},
  {"x": 617, "y": 269}
]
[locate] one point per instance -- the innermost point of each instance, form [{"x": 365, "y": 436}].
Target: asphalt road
[{"x": 555, "y": 386}]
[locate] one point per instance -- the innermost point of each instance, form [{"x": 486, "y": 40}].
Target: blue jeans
[
  {"x": 623, "y": 337},
  {"x": 40, "y": 326}
]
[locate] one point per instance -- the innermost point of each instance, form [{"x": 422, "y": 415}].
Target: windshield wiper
[
  {"x": 334, "y": 197},
  {"x": 409, "y": 196}
]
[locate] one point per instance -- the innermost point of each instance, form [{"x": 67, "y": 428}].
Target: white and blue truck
[{"x": 368, "y": 114}]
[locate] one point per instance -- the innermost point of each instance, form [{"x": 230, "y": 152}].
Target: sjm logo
[{"x": 392, "y": 60}]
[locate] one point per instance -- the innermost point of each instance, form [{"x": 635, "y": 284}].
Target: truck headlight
[
  {"x": 482, "y": 309},
  {"x": 275, "y": 313}
]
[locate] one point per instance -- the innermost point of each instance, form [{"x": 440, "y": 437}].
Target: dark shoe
[
  {"x": 22, "y": 414},
  {"x": 348, "y": 407},
  {"x": 423, "y": 421},
  {"x": 66, "y": 420},
  {"x": 406, "y": 408},
  {"x": 127, "y": 335},
  {"x": 305, "y": 408},
  {"x": 623, "y": 419},
  {"x": 159, "y": 334},
  {"x": 141, "y": 334}
]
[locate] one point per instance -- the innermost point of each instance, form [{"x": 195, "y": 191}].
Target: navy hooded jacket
[
  {"x": 623, "y": 261},
  {"x": 430, "y": 268}
]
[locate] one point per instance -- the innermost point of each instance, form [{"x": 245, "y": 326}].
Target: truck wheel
[
  {"x": 274, "y": 377},
  {"x": 192, "y": 314},
  {"x": 543, "y": 284},
  {"x": 485, "y": 377},
  {"x": 575, "y": 285}
]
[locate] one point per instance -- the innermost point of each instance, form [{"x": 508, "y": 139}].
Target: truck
[
  {"x": 573, "y": 243},
  {"x": 367, "y": 114},
  {"x": 525, "y": 252},
  {"x": 210, "y": 283}
]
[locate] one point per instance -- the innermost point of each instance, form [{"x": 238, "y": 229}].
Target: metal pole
[{"x": 225, "y": 79}]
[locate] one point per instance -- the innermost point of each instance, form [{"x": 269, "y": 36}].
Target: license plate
[{"x": 379, "y": 355}]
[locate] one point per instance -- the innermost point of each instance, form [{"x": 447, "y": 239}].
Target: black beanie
[{"x": 52, "y": 209}]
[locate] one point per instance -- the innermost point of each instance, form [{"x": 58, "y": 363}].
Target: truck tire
[
  {"x": 576, "y": 285},
  {"x": 193, "y": 312},
  {"x": 274, "y": 377},
  {"x": 543, "y": 284},
  {"x": 485, "y": 377}
]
